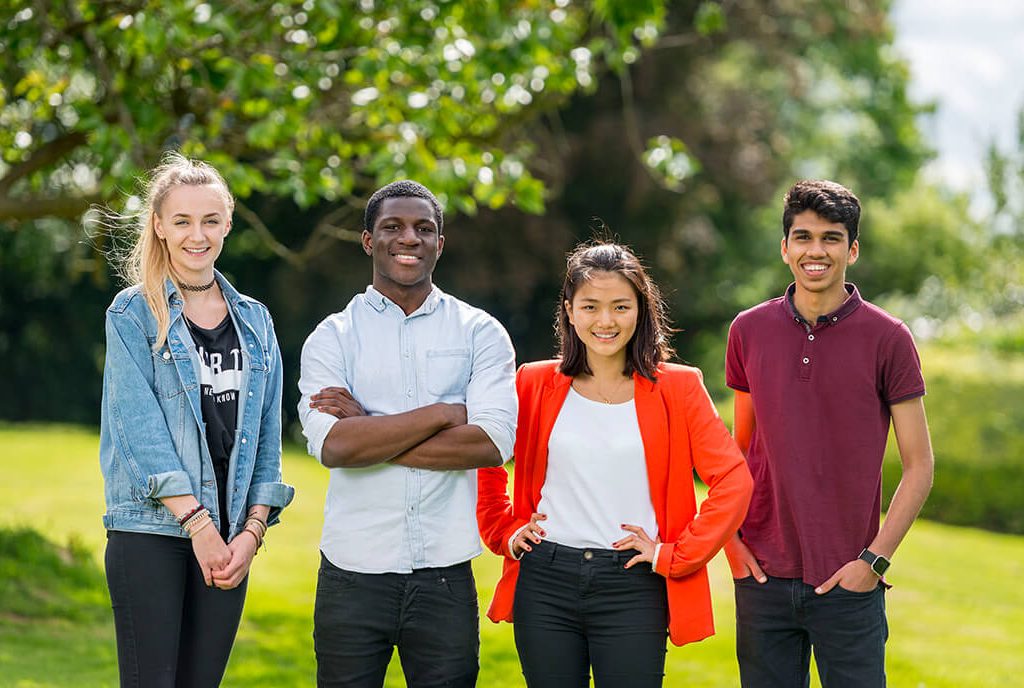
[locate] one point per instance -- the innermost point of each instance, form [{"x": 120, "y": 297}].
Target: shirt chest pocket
[{"x": 448, "y": 372}]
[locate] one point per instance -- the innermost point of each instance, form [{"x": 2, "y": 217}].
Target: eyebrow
[
  {"x": 624, "y": 299},
  {"x": 399, "y": 218},
  {"x": 215, "y": 214},
  {"x": 827, "y": 232}
]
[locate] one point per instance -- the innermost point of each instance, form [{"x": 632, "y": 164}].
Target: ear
[
  {"x": 854, "y": 252},
  {"x": 568, "y": 311},
  {"x": 783, "y": 249},
  {"x": 440, "y": 244},
  {"x": 158, "y": 228},
  {"x": 367, "y": 241}
]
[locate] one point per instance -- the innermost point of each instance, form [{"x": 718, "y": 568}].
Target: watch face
[{"x": 880, "y": 565}]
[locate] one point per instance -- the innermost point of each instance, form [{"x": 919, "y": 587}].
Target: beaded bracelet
[
  {"x": 189, "y": 525},
  {"x": 259, "y": 532},
  {"x": 202, "y": 524},
  {"x": 186, "y": 516}
]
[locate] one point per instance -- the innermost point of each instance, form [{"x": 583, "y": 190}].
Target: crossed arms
[{"x": 435, "y": 436}]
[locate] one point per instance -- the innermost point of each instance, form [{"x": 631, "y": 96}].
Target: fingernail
[{"x": 817, "y": 590}]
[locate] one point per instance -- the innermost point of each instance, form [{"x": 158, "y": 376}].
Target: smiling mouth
[
  {"x": 814, "y": 268},
  {"x": 605, "y": 336},
  {"x": 406, "y": 259},
  {"x": 197, "y": 251}
]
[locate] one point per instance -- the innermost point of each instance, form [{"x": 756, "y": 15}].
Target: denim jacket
[{"x": 152, "y": 434}]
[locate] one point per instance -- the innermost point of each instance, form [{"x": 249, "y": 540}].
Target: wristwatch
[{"x": 877, "y": 562}]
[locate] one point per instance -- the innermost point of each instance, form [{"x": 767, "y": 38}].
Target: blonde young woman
[{"x": 190, "y": 437}]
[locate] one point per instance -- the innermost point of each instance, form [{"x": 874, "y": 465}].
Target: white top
[
  {"x": 597, "y": 476},
  {"x": 388, "y": 518}
]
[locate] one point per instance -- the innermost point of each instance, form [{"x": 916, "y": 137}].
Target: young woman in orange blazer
[{"x": 603, "y": 544}]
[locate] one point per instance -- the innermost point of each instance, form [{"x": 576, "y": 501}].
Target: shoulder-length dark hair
[{"x": 649, "y": 345}]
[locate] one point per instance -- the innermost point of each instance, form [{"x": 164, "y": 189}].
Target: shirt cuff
[{"x": 511, "y": 552}]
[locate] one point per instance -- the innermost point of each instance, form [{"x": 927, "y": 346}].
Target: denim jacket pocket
[
  {"x": 165, "y": 374},
  {"x": 447, "y": 372}
]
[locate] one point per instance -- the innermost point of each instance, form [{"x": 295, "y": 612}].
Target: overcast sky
[{"x": 968, "y": 57}]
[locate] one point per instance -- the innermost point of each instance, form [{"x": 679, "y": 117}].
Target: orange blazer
[{"x": 681, "y": 431}]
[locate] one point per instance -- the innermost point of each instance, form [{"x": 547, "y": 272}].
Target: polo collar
[
  {"x": 852, "y": 303},
  {"x": 380, "y": 303}
]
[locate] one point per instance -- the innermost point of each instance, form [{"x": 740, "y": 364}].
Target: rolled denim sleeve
[
  {"x": 138, "y": 427},
  {"x": 491, "y": 402},
  {"x": 266, "y": 487},
  {"x": 322, "y": 365}
]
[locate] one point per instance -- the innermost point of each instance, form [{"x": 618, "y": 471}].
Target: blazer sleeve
[
  {"x": 494, "y": 514},
  {"x": 720, "y": 464}
]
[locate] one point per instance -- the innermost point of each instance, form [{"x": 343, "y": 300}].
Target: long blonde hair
[{"x": 148, "y": 264}]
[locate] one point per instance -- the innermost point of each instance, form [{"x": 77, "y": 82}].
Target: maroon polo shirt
[{"x": 821, "y": 395}]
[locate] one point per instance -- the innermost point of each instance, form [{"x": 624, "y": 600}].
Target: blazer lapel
[
  {"x": 652, "y": 416},
  {"x": 551, "y": 401}
]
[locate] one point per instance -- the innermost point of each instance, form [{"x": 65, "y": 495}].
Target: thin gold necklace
[{"x": 604, "y": 398}]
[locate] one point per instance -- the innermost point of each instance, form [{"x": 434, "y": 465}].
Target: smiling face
[
  {"x": 192, "y": 222},
  {"x": 604, "y": 312},
  {"x": 405, "y": 244},
  {"x": 817, "y": 252}
]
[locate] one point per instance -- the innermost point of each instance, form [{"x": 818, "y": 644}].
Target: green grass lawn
[{"x": 955, "y": 614}]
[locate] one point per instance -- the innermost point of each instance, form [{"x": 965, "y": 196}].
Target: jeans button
[{"x": 588, "y": 555}]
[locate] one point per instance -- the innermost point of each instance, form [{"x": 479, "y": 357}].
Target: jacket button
[{"x": 167, "y": 354}]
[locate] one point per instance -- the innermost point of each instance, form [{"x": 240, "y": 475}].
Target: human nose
[
  {"x": 409, "y": 235},
  {"x": 605, "y": 317},
  {"x": 195, "y": 231}
]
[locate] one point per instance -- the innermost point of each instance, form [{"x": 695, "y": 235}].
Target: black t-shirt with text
[{"x": 220, "y": 378}]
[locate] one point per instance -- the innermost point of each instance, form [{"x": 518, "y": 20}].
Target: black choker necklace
[{"x": 197, "y": 287}]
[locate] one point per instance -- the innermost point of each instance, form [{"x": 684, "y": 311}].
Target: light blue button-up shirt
[{"x": 393, "y": 519}]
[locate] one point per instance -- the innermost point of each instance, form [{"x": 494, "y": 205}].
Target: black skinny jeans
[
  {"x": 579, "y": 608},
  {"x": 172, "y": 630}
]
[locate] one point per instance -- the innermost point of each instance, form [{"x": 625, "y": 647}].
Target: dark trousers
[
  {"x": 431, "y": 615},
  {"x": 779, "y": 622},
  {"x": 172, "y": 631},
  {"x": 579, "y": 608}
]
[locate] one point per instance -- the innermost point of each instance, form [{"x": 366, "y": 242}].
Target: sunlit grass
[{"x": 955, "y": 613}]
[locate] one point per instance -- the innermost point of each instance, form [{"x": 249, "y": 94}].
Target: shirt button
[
  {"x": 408, "y": 392},
  {"x": 588, "y": 555},
  {"x": 807, "y": 360},
  {"x": 810, "y": 337},
  {"x": 835, "y": 318},
  {"x": 167, "y": 354}
]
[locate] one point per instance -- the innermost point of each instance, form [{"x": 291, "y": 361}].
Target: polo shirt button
[
  {"x": 810, "y": 337},
  {"x": 835, "y": 318},
  {"x": 588, "y": 555},
  {"x": 807, "y": 360}
]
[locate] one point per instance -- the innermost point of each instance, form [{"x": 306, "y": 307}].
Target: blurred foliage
[
  {"x": 675, "y": 125},
  {"x": 973, "y": 403}
]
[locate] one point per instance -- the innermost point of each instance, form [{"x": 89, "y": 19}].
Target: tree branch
[{"x": 44, "y": 156}]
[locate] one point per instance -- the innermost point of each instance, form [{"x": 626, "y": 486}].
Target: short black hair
[
  {"x": 401, "y": 189},
  {"x": 831, "y": 201}
]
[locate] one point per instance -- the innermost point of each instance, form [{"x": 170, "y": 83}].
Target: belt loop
[{"x": 552, "y": 550}]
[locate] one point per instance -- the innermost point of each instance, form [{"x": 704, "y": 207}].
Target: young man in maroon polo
[{"x": 818, "y": 373}]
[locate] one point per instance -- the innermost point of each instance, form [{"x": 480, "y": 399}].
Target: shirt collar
[
  {"x": 848, "y": 306},
  {"x": 380, "y": 303}
]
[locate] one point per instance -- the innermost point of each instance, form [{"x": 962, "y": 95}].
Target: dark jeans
[
  {"x": 430, "y": 614},
  {"x": 172, "y": 631},
  {"x": 579, "y": 608},
  {"x": 779, "y": 622}
]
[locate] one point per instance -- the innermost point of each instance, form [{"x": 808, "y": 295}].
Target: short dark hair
[
  {"x": 401, "y": 189},
  {"x": 831, "y": 201},
  {"x": 649, "y": 345}
]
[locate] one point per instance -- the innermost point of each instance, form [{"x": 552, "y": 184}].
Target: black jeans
[
  {"x": 172, "y": 631},
  {"x": 430, "y": 614},
  {"x": 779, "y": 622},
  {"x": 577, "y": 608}
]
